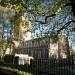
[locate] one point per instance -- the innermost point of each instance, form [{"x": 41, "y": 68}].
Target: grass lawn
[{"x": 38, "y": 70}]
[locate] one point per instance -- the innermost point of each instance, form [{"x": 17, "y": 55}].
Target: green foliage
[
  {"x": 54, "y": 9},
  {"x": 16, "y": 5},
  {"x": 54, "y": 38},
  {"x": 12, "y": 2},
  {"x": 16, "y": 22},
  {"x": 19, "y": 9},
  {"x": 3, "y": 3},
  {"x": 36, "y": 8}
]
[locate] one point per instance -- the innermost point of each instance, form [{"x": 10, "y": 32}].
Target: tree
[
  {"x": 46, "y": 14},
  {"x": 11, "y": 12},
  {"x": 46, "y": 9},
  {"x": 5, "y": 15}
]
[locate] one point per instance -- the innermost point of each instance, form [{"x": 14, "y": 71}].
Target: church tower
[
  {"x": 25, "y": 29},
  {"x": 63, "y": 46}
]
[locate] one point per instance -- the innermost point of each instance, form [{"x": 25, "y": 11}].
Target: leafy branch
[{"x": 55, "y": 14}]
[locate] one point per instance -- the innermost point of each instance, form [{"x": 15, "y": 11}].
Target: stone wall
[
  {"x": 53, "y": 50},
  {"x": 63, "y": 46},
  {"x": 44, "y": 48},
  {"x": 36, "y": 52},
  {"x": 38, "y": 48},
  {"x": 25, "y": 28},
  {"x": 35, "y": 43}
]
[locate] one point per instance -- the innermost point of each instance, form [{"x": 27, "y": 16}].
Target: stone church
[
  {"x": 40, "y": 48},
  {"x": 45, "y": 48}
]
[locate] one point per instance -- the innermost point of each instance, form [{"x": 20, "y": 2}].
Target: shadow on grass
[{"x": 39, "y": 70}]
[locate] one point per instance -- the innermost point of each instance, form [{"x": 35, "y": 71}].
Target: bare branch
[
  {"x": 52, "y": 15},
  {"x": 65, "y": 26},
  {"x": 68, "y": 4}
]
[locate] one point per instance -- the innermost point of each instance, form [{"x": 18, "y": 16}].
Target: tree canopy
[
  {"x": 47, "y": 16},
  {"x": 44, "y": 8}
]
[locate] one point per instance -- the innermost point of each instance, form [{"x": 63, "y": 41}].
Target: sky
[{"x": 60, "y": 19}]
